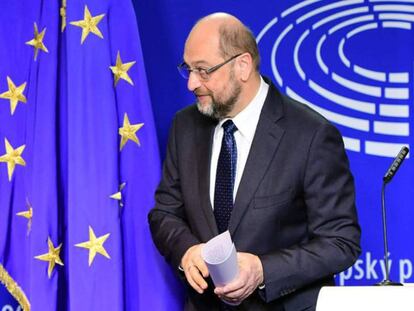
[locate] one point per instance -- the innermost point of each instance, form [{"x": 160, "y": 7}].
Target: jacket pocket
[{"x": 275, "y": 200}]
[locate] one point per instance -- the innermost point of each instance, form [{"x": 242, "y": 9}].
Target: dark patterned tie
[{"x": 225, "y": 175}]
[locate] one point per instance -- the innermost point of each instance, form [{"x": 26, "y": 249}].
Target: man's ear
[{"x": 245, "y": 66}]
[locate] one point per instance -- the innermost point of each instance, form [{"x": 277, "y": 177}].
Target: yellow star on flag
[
  {"x": 37, "y": 41},
  {"x": 28, "y": 214},
  {"x": 52, "y": 256},
  {"x": 14, "y": 94},
  {"x": 120, "y": 70},
  {"x": 127, "y": 132},
  {"x": 12, "y": 157},
  {"x": 118, "y": 195},
  {"x": 89, "y": 24},
  {"x": 62, "y": 12},
  {"x": 95, "y": 245}
]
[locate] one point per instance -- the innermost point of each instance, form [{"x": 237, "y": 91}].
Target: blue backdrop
[{"x": 352, "y": 60}]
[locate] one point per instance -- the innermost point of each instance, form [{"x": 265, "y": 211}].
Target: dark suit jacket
[{"x": 294, "y": 207}]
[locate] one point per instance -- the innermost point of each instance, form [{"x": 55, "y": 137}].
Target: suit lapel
[
  {"x": 205, "y": 134},
  {"x": 264, "y": 146}
]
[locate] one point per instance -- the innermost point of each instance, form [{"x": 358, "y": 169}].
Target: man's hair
[{"x": 238, "y": 39}]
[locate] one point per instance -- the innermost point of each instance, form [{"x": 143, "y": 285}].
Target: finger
[
  {"x": 237, "y": 297},
  {"x": 237, "y": 294},
  {"x": 235, "y": 289},
  {"x": 197, "y": 277},
  {"x": 195, "y": 286},
  {"x": 202, "y": 267},
  {"x": 231, "y": 301},
  {"x": 191, "y": 281},
  {"x": 229, "y": 288},
  {"x": 237, "y": 284}
]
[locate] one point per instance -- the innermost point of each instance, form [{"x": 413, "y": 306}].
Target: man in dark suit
[{"x": 251, "y": 160}]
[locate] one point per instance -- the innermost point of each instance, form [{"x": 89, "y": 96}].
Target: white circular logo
[{"x": 352, "y": 61}]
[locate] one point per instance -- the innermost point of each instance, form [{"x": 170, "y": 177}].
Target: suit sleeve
[
  {"x": 168, "y": 223},
  {"x": 333, "y": 229}
]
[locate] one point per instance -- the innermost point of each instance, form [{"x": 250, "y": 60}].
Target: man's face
[
  {"x": 218, "y": 100},
  {"x": 217, "y": 96}
]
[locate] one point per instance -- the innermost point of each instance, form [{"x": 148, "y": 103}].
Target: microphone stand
[
  {"x": 385, "y": 180},
  {"x": 386, "y": 281}
]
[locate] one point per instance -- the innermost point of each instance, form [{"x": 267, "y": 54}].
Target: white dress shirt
[{"x": 246, "y": 123}]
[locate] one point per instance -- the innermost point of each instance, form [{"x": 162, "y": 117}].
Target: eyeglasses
[{"x": 203, "y": 73}]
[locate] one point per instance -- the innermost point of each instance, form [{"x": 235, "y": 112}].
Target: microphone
[
  {"x": 395, "y": 165},
  {"x": 385, "y": 180}
]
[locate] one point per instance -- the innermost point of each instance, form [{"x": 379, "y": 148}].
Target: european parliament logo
[{"x": 342, "y": 59}]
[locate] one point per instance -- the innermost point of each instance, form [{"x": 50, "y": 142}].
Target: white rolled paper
[{"x": 221, "y": 258}]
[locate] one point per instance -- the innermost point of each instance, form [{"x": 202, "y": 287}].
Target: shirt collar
[{"x": 246, "y": 120}]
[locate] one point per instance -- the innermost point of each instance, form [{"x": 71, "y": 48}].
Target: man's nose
[{"x": 193, "y": 81}]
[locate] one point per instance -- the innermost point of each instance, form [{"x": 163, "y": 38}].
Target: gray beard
[{"x": 219, "y": 110}]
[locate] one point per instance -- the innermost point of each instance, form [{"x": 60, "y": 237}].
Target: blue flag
[{"x": 79, "y": 160}]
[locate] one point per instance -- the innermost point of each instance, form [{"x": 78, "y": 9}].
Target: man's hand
[
  {"x": 249, "y": 278},
  {"x": 195, "y": 268}
]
